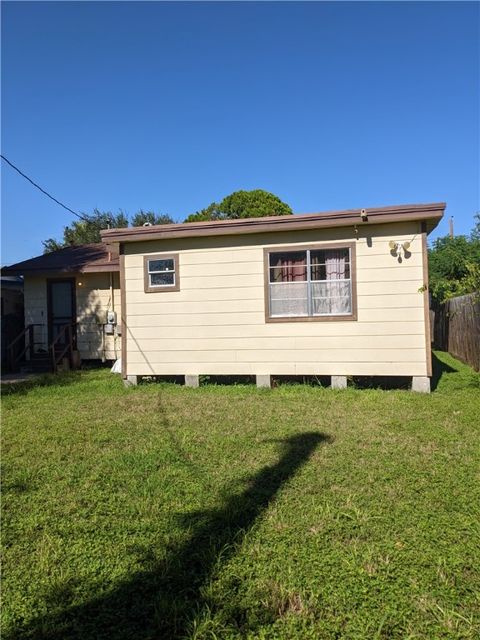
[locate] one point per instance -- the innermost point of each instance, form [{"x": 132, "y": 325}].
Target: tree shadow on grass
[{"x": 162, "y": 602}]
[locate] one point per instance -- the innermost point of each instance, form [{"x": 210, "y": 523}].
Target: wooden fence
[{"x": 457, "y": 329}]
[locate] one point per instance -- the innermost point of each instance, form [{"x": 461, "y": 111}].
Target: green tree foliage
[
  {"x": 253, "y": 204},
  {"x": 454, "y": 266},
  {"x": 243, "y": 204},
  {"x": 87, "y": 230},
  {"x": 475, "y": 234},
  {"x": 51, "y": 245},
  {"x": 204, "y": 215},
  {"x": 150, "y": 217}
]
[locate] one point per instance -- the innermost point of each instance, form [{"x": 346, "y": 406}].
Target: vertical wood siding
[{"x": 457, "y": 328}]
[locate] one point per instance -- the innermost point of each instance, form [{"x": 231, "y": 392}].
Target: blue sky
[{"x": 169, "y": 106}]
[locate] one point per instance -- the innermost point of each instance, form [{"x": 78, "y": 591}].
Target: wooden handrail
[
  {"x": 20, "y": 335},
  {"x": 28, "y": 344},
  {"x": 69, "y": 347}
]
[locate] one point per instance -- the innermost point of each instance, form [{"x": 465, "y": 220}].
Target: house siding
[
  {"x": 92, "y": 297},
  {"x": 216, "y": 323},
  {"x": 35, "y": 305}
]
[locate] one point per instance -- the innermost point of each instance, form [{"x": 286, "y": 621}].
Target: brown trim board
[
  {"x": 123, "y": 312},
  {"x": 58, "y": 273},
  {"x": 161, "y": 256},
  {"x": 431, "y": 213},
  {"x": 426, "y": 299},
  {"x": 353, "y": 276}
]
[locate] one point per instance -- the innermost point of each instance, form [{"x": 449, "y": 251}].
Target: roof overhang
[
  {"x": 431, "y": 214},
  {"x": 87, "y": 258},
  {"x": 50, "y": 273}
]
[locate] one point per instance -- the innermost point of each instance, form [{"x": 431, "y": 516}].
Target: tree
[
  {"x": 87, "y": 230},
  {"x": 253, "y": 204},
  {"x": 243, "y": 204},
  {"x": 143, "y": 217},
  {"x": 454, "y": 265},
  {"x": 51, "y": 245},
  {"x": 210, "y": 213},
  {"x": 475, "y": 234}
]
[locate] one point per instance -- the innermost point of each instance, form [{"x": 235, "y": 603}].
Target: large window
[
  {"x": 314, "y": 283},
  {"x": 161, "y": 273}
]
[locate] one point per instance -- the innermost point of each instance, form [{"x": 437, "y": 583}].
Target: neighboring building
[
  {"x": 12, "y": 295},
  {"x": 75, "y": 286},
  {"x": 12, "y": 313},
  {"x": 337, "y": 294}
]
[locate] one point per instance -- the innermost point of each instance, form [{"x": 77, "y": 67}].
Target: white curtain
[
  {"x": 333, "y": 296},
  {"x": 335, "y": 265}
]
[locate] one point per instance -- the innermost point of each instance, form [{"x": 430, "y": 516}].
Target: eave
[{"x": 430, "y": 213}]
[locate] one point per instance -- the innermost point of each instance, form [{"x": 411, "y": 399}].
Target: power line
[{"x": 43, "y": 190}]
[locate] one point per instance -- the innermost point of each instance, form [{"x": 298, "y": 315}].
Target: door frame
[{"x": 73, "y": 282}]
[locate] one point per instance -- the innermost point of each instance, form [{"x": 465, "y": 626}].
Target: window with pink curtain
[
  {"x": 313, "y": 282},
  {"x": 288, "y": 267}
]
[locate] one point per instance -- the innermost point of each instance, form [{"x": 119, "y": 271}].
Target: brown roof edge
[
  {"x": 87, "y": 258},
  {"x": 431, "y": 212}
]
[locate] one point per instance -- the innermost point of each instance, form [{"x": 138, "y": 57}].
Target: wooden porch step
[{"x": 40, "y": 363}]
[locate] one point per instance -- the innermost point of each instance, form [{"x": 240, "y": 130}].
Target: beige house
[
  {"x": 71, "y": 301},
  {"x": 337, "y": 294}
]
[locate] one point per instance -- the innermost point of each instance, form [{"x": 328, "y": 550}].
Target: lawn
[{"x": 228, "y": 512}]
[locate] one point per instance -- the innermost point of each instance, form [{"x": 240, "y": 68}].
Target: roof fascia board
[
  {"x": 430, "y": 212},
  {"x": 61, "y": 272}
]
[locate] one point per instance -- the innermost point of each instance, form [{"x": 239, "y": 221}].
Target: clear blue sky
[{"x": 171, "y": 106}]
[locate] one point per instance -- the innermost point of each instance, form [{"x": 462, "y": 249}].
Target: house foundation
[
  {"x": 338, "y": 382},
  {"x": 192, "y": 381},
  {"x": 421, "y": 384},
  {"x": 131, "y": 381},
  {"x": 264, "y": 381}
]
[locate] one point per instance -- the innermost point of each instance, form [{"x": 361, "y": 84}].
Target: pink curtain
[{"x": 290, "y": 270}]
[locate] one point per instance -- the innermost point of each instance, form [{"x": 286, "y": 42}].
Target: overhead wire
[{"x": 79, "y": 215}]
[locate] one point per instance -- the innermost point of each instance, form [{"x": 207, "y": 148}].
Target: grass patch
[{"x": 230, "y": 512}]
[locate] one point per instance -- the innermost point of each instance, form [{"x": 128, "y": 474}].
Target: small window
[
  {"x": 311, "y": 284},
  {"x": 161, "y": 273}
]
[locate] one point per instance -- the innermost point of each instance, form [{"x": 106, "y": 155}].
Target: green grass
[{"x": 231, "y": 512}]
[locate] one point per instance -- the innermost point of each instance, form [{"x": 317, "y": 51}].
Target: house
[
  {"x": 68, "y": 296},
  {"x": 12, "y": 295},
  {"x": 12, "y": 313},
  {"x": 339, "y": 294}
]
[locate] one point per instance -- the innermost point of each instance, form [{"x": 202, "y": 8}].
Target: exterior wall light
[{"x": 399, "y": 250}]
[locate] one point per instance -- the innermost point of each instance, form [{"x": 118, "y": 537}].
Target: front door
[{"x": 61, "y": 309}]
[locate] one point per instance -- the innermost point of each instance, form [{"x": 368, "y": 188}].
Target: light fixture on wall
[
  {"x": 79, "y": 283},
  {"x": 399, "y": 250}
]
